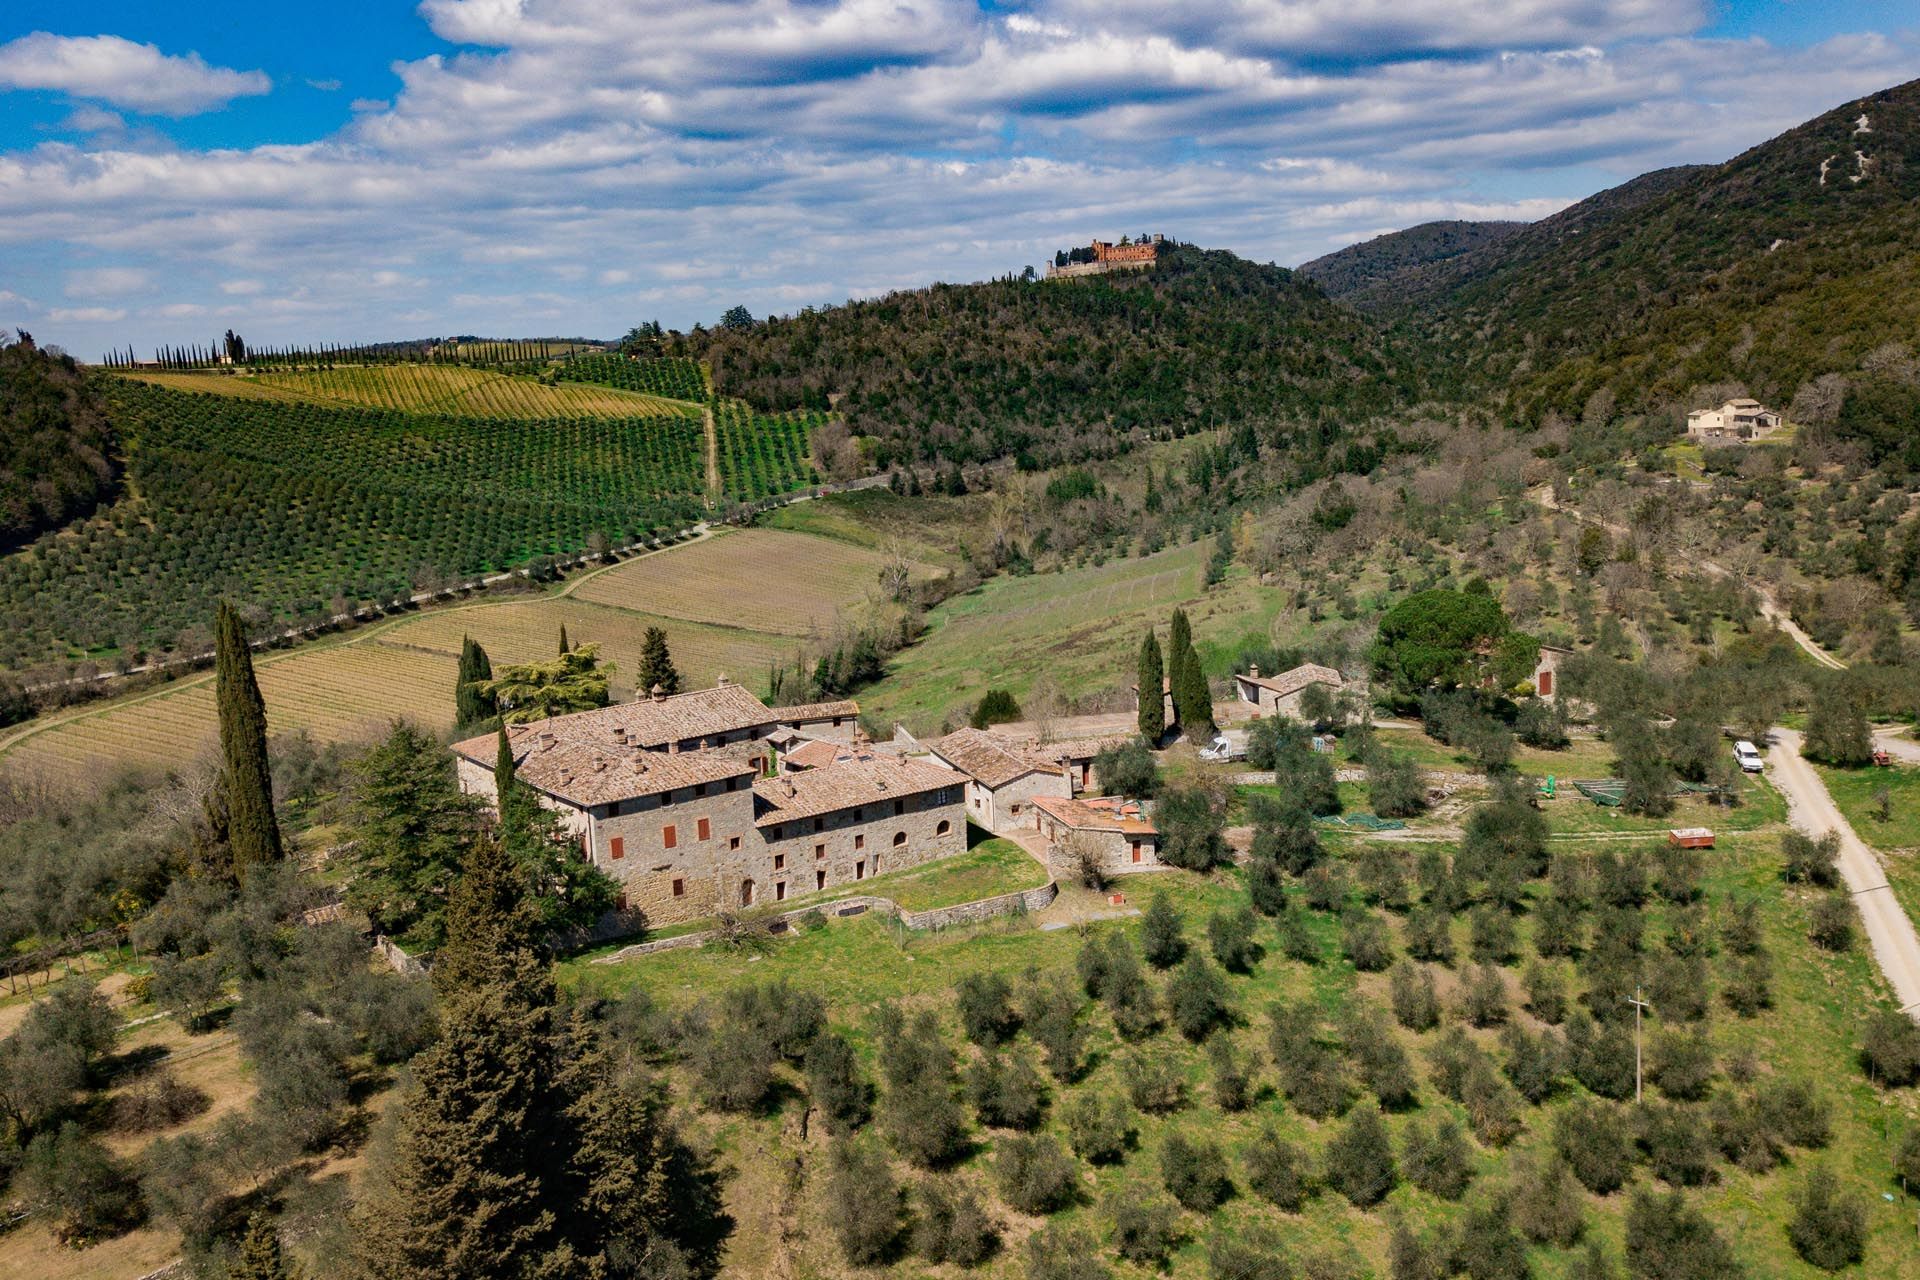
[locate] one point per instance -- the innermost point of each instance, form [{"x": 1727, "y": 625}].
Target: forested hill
[
  {"x": 56, "y": 446},
  {"x": 1065, "y": 370},
  {"x": 1793, "y": 260},
  {"x": 1377, "y": 271}
]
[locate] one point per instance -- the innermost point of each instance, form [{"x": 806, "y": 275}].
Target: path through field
[{"x": 1896, "y": 947}]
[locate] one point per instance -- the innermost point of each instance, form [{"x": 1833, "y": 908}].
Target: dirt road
[{"x": 1896, "y": 947}]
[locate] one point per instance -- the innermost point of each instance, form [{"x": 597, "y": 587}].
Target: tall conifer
[
  {"x": 1153, "y": 708},
  {"x": 656, "y": 665},
  {"x": 565, "y": 648},
  {"x": 470, "y": 704},
  {"x": 246, "y": 778}
]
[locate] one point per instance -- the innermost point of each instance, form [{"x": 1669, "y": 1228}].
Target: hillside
[
  {"x": 1792, "y": 260},
  {"x": 57, "y": 448},
  {"x": 1063, "y": 371},
  {"x": 1372, "y": 271}
]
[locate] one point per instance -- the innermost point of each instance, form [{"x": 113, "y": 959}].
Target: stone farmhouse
[
  {"x": 672, "y": 796},
  {"x": 1280, "y": 695},
  {"x": 1546, "y": 670},
  {"x": 1739, "y": 421},
  {"x": 1111, "y": 831},
  {"x": 1004, "y": 778}
]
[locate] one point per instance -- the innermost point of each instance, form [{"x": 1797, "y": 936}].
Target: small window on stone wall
[
  {"x": 779, "y": 862},
  {"x": 943, "y": 828},
  {"x": 899, "y": 839},
  {"x": 859, "y": 842},
  {"x": 617, "y": 848},
  {"x": 679, "y": 888},
  {"x": 780, "y": 891}
]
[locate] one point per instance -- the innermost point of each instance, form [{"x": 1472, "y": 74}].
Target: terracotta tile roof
[
  {"x": 588, "y": 770},
  {"x": 988, "y": 758},
  {"x": 1081, "y": 748},
  {"x": 815, "y": 754},
  {"x": 847, "y": 784},
  {"x": 655, "y": 723},
  {"x": 1295, "y": 680},
  {"x": 846, "y": 708},
  {"x": 1102, "y": 813}
]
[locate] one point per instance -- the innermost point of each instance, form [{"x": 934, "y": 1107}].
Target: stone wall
[
  {"x": 1010, "y": 808},
  {"x": 816, "y": 855},
  {"x": 1005, "y": 904}
]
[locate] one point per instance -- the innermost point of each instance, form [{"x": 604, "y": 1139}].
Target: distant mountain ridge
[{"x": 1371, "y": 272}]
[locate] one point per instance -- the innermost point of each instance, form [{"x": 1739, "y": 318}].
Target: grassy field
[
  {"x": 723, "y": 612},
  {"x": 449, "y": 390},
  {"x": 925, "y": 528},
  {"x": 1819, "y": 1000},
  {"x": 1897, "y": 840},
  {"x": 1080, "y": 628}
]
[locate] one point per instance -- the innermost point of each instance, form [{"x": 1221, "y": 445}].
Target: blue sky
[{"x": 384, "y": 170}]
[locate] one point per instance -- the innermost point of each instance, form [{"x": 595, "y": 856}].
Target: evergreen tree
[
  {"x": 246, "y": 780},
  {"x": 1152, "y": 674},
  {"x": 574, "y": 681},
  {"x": 259, "y": 1257},
  {"x": 565, "y": 891},
  {"x": 1162, "y": 939},
  {"x": 1192, "y": 699},
  {"x": 1360, "y": 1164},
  {"x": 410, "y": 824},
  {"x": 656, "y": 666},
  {"x": 565, "y": 648},
  {"x": 469, "y": 704}
]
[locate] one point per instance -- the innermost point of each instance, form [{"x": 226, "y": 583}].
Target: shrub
[
  {"x": 1809, "y": 860},
  {"x": 1051, "y": 1011},
  {"x": 1829, "y": 1227},
  {"x": 1675, "y": 1143},
  {"x": 1483, "y": 998},
  {"x": 996, "y": 706},
  {"x": 1162, "y": 939},
  {"x": 1487, "y": 1247},
  {"x": 1546, "y": 1201},
  {"x": 1416, "y": 1006},
  {"x": 866, "y": 1203},
  {"x": 987, "y": 1014},
  {"x": 1366, "y": 942},
  {"x": 1145, "y": 1226},
  {"x": 1890, "y": 1049},
  {"x": 1382, "y": 1062},
  {"x": 1056, "y": 1252},
  {"x": 1680, "y": 1062},
  {"x": 1437, "y": 1159},
  {"x": 1193, "y": 1173},
  {"x": 1232, "y": 1080},
  {"x": 1359, "y": 1159},
  {"x": 1430, "y": 934},
  {"x": 952, "y": 1225},
  {"x": 82, "y": 1189},
  {"x": 834, "y": 1084},
  {"x": 1231, "y": 936},
  {"x": 1534, "y": 1063},
  {"x": 1593, "y": 1138},
  {"x": 159, "y": 1102},
  {"x": 1099, "y": 1127},
  {"x": 1669, "y": 1240},
  {"x": 1155, "y": 1083},
  {"x": 1798, "y": 1116},
  {"x": 1492, "y": 937},
  {"x": 1546, "y": 992},
  {"x": 1277, "y": 1171},
  {"x": 1830, "y": 922},
  {"x": 1007, "y": 1092},
  {"x": 1197, "y": 996},
  {"x": 1394, "y": 784},
  {"x": 1035, "y": 1175}
]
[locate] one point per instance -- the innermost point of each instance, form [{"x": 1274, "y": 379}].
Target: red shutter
[
  {"x": 706, "y": 829},
  {"x": 668, "y": 838},
  {"x": 617, "y": 848}
]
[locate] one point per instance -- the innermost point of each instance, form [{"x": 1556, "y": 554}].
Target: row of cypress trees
[{"x": 1180, "y": 671}]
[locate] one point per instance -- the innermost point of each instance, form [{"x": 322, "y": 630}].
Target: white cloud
[
  {"x": 241, "y": 288},
  {"x": 324, "y": 86},
  {"x": 107, "y": 282},
  {"x": 137, "y": 77},
  {"x": 87, "y": 315}
]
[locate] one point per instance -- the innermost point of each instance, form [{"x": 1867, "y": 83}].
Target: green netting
[
  {"x": 1364, "y": 822},
  {"x": 1605, "y": 792}
]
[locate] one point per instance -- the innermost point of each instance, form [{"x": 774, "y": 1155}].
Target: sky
[{"x": 370, "y": 170}]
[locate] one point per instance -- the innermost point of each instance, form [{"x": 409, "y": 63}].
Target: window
[
  {"x": 699, "y": 788},
  {"x": 733, "y": 842},
  {"x": 860, "y": 869},
  {"x": 679, "y": 888},
  {"x": 820, "y": 879},
  {"x": 620, "y": 903},
  {"x": 746, "y": 893},
  {"x": 819, "y": 851},
  {"x": 617, "y": 848},
  {"x": 779, "y": 890},
  {"x": 899, "y": 839},
  {"x": 668, "y": 837},
  {"x": 899, "y": 807},
  {"x": 819, "y": 824},
  {"x": 705, "y": 828},
  {"x": 943, "y": 828},
  {"x": 836, "y": 721},
  {"x": 779, "y": 862},
  {"x": 860, "y": 842}
]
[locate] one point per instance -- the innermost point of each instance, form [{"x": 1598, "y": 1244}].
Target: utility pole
[{"x": 1639, "y": 1006}]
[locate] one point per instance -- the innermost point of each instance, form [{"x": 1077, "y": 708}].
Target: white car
[
  {"x": 1749, "y": 756},
  {"x": 1225, "y": 747}
]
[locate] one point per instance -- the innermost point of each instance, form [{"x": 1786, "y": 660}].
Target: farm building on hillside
[
  {"x": 668, "y": 796},
  {"x": 1546, "y": 670},
  {"x": 1003, "y": 778},
  {"x": 1112, "y": 832},
  {"x": 1280, "y": 695},
  {"x": 1735, "y": 422}
]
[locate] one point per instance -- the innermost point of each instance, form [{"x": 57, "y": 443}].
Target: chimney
[
  {"x": 721, "y": 681},
  {"x": 548, "y": 742},
  {"x": 1253, "y": 670},
  {"x": 657, "y": 694}
]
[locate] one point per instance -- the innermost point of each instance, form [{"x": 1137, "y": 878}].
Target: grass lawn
[
  {"x": 1819, "y": 1001},
  {"x": 1897, "y": 840}
]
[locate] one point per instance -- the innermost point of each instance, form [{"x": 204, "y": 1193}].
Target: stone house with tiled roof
[
  {"x": 1280, "y": 695},
  {"x": 1114, "y": 831},
  {"x": 667, "y": 796},
  {"x": 1004, "y": 778}
]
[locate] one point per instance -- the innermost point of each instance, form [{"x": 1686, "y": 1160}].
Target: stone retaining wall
[{"x": 1006, "y": 904}]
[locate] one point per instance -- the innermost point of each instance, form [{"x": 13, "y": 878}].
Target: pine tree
[
  {"x": 471, "y": 705},
  {"x": 1153, "y": 710},
  {"x": 656, "y": 665},
  {"x": 259, "y": 1257},
  {"x": 246, "y": 780}
]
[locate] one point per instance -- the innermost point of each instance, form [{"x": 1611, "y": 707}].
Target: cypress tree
[
  {"x": 246, "y": 779},
  {"x": 1153, "y": 711},
  {"x": 1192, "y": 701},
  {"x": 565, "y": 648},
  {"x": 511, "y": 800},
  {"x": 259, "y": 1257},
  {"x": 471, "y": 705},
  {"x": 656, "y": 665}
]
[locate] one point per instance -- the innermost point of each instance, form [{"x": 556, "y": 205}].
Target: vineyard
[
  {"x": 449, "y": 390},
  {"x": 298, "y": 510},
  {"x": 677, "y": 379},
  {"x": 763, "y": 454}
]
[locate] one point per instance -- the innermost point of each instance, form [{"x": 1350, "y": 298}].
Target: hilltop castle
[{"x": 1102, "y": 256}]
